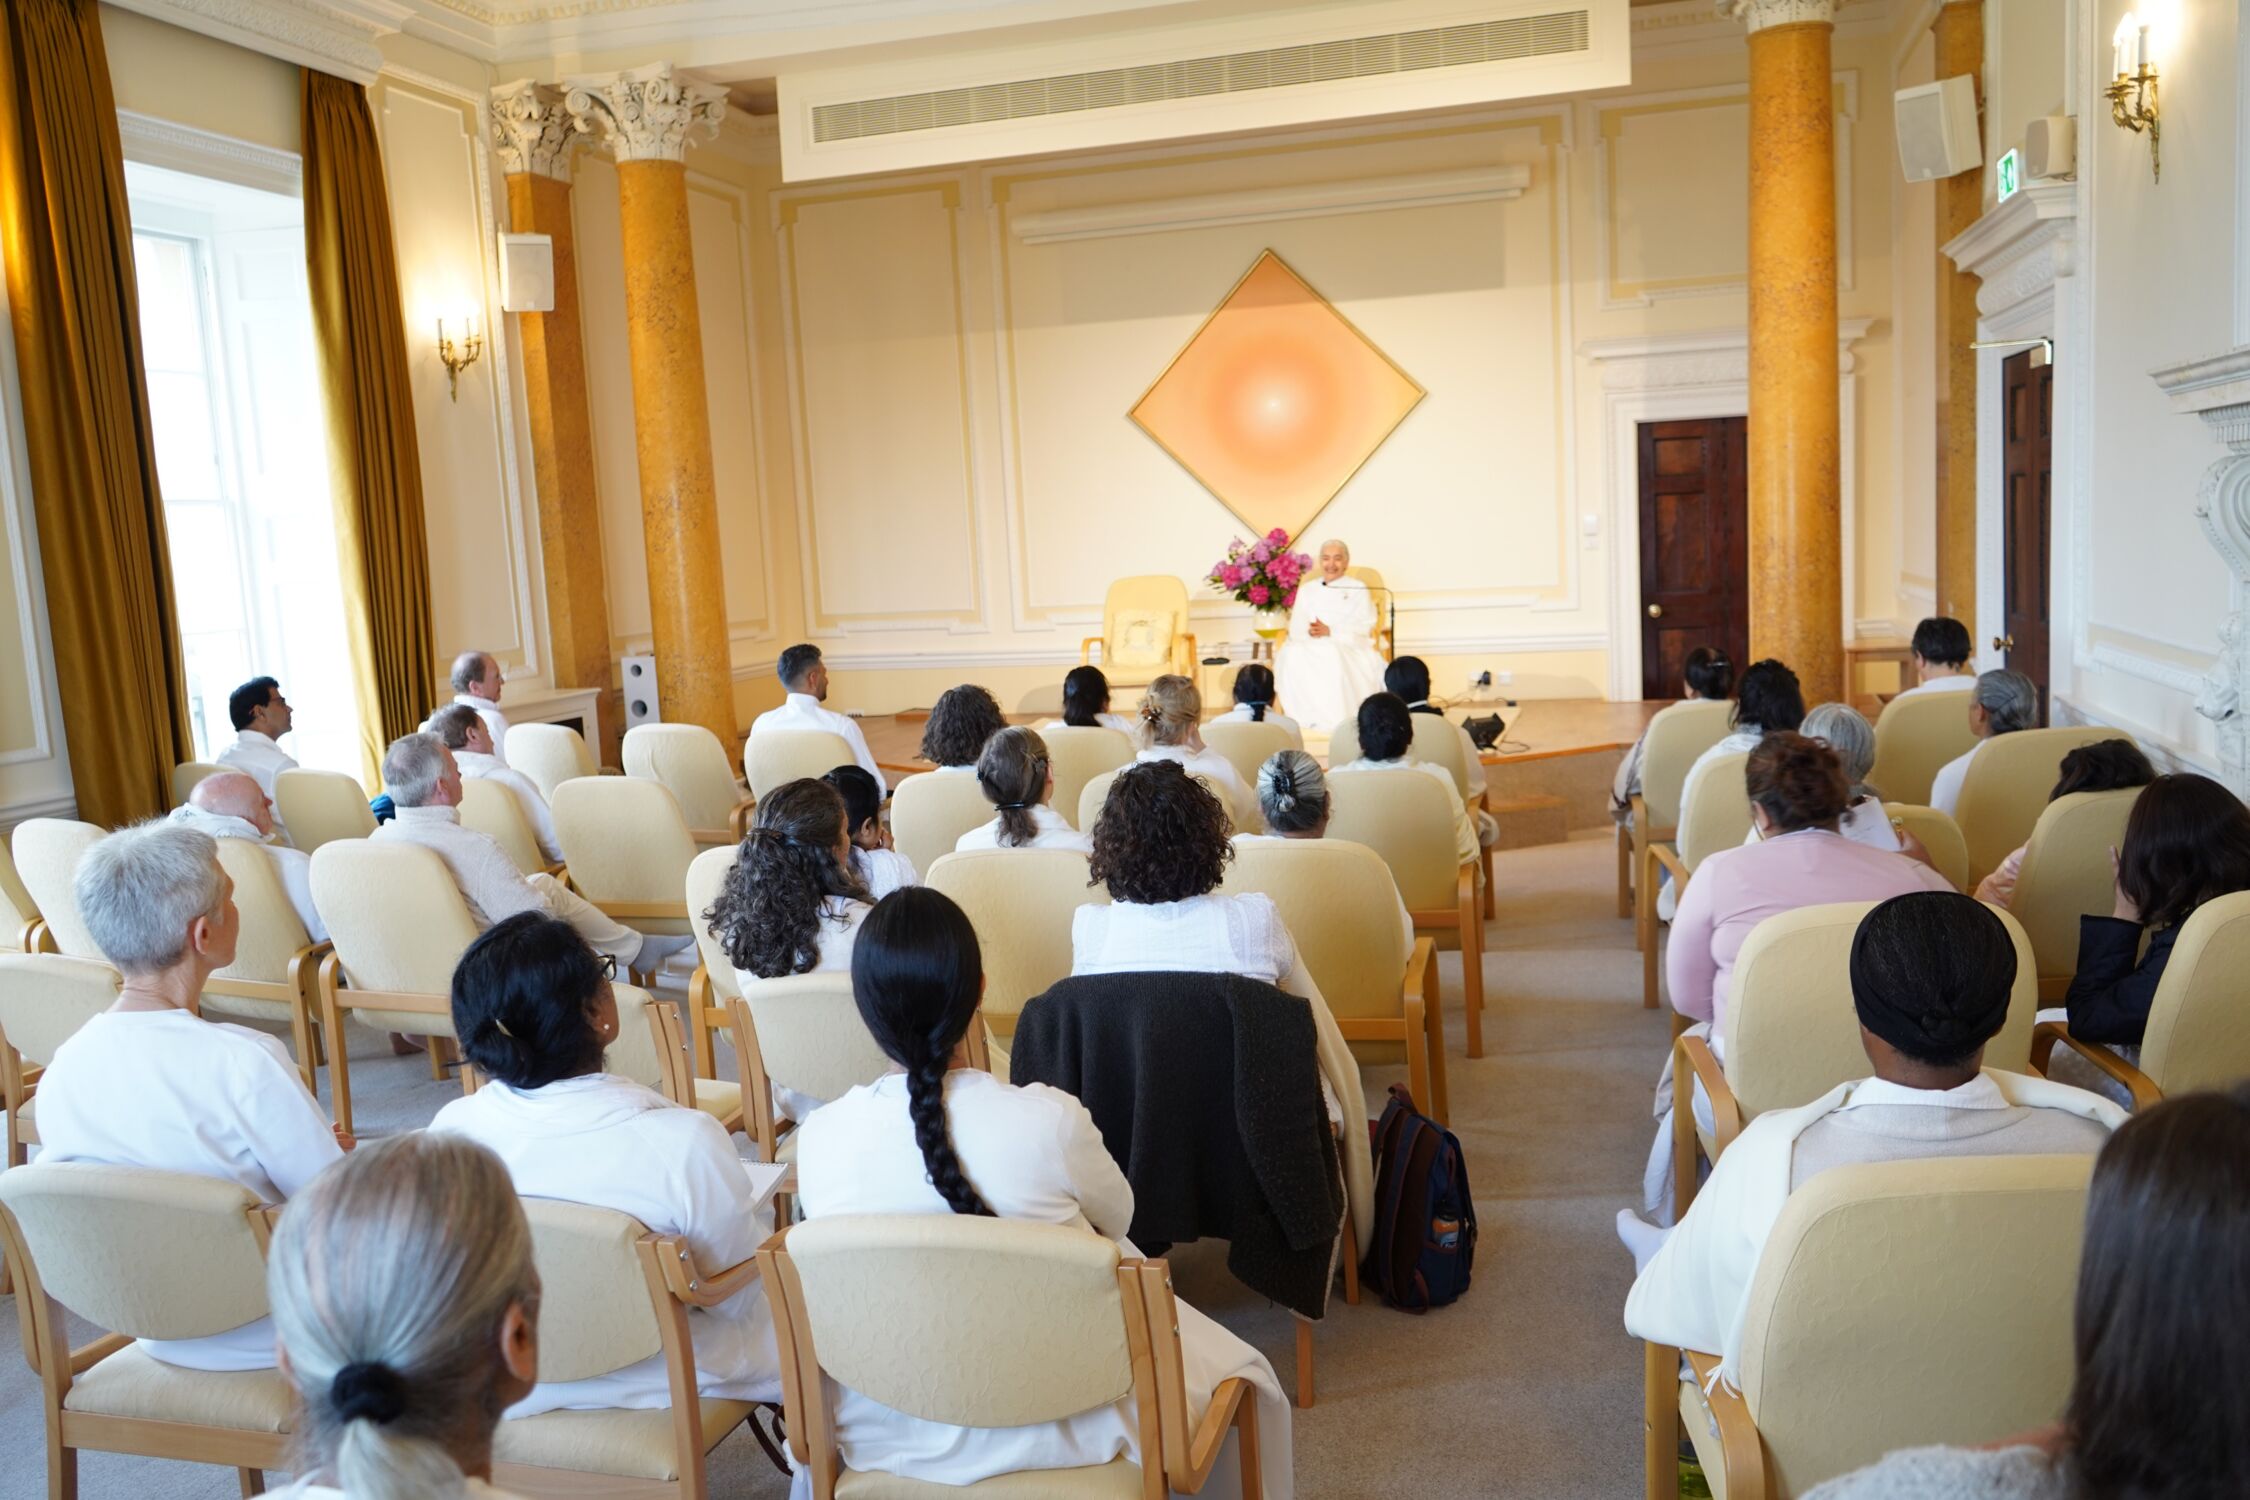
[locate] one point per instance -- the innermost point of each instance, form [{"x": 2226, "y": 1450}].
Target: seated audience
[
  {"x": 229, "y": 805},
  {"x": 791, "y": 904},
  {"x": 805, "y": 678},
  {"x": 1940, "y": 658},
  {"x": 2104, "y": 766},
  {"x": 407, "y": 1303},
  {"x": 1409, "y": 678},
  {"x": 1293, "y": 795},
  {"x": 960, "y": 722},
  {"x": 534, "y": 1010},
  {"x": 2002, "y": 703},
  {"x": 1085, "y": 703},
  {"x": 1932, "y": 973},
  {"x": 261, "y": 716},
  {"x": 150, "y": 1083},
  {"x": 1846, "y": 731},
  {"x": 1172, "y": 729},
  {"x": 1019, "y": 782},
  {"x": 1767, "y": 700},
  {"x": 936, "y": 1136},
  {"x": 1253, "y": 701},
  {"x": 1386, "y": 742},
  {"x": 2155, "y": 1409},
  {"x": 881, "y": 868},
  {"x": 426, "y": 784},
  {"x": 464, "y": 732},
  {"x": 1709, "y": 675},
  {"x": 477, "y": 682}
]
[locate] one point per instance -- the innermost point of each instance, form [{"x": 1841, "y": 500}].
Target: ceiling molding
[{"x": 328, "y": 36}]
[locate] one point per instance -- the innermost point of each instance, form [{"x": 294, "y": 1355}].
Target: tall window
[{"x": 241, "y": 454}]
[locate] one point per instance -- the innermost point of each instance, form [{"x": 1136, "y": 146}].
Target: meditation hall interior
[{"x": 1124, "y": 749}]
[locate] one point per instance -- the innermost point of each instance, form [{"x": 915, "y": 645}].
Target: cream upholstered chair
[
  {"x": 2066, "y": 874},
  {"x": 713, "y": 984},
  {"x": 1246, "y": 745},
  {"x": 319, "y": 807},
  {"x": 628, "y": 849},
  {"x": 1077, "y": 756},
  {"x": 930, "y": 812},
  {"x": 1791, "y": 1030},
  {"x": 187, "y": 774},
  {"x": 47, "y": 851},
  {"x": 2198, "y": 1034},
  {"x": 1408, "y": 821},
  {"x": 141, "y": 1254},
  {"x": 44, "y": 999},
  {"x": 1336, "y": 900},
  {"x": 1144, "y": 632},
  {"x": 1022, "y": 903},
  {"x": 1096, "y": 792},
  {"x": 2007, "y": 786},
  {"x": 1915, "y": 737},
  {"x": 1719, "y": 797},
  {"x": 1940, "y": 835},
  {"x": 802, "y": 1033},
  {"x": 612, "y": 1294},
  {"x": 276, "y": 968},
  {"x": 19, "y": 914},
  {"x": 1063, "y": 1325},
  {"x": 398, "y": 925},
  {"x": 674, "y": 1061},
  {"x": 1674, "y": 738},
  {"x": 690, "y": 760},
  {"x": 550, "y": 754},
  {"x": 1381, "y": 635},
  {"x": 493, "y": 808},
  {"x": 776, "y": 757},
  {"x": 1896, "y": 1304},
  {"x": 1434, "y": 740}
]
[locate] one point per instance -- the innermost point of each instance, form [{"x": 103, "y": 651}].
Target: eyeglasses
[{"x": 609, "y": 965}]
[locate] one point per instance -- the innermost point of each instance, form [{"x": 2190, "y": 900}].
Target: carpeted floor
[{"x": 1528, "y": 1387}]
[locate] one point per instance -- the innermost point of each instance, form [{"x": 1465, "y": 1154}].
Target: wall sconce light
[
  {"x": 457, "y": 359},
  {"x": 2132, "y": 96}
]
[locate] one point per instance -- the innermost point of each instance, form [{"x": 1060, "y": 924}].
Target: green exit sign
[{"x": 2011, "y": 174}]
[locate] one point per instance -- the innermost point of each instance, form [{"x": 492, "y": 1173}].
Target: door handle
[
  {"x": 2003, "y": 643},
  {"x": 1656, "y": 611}
]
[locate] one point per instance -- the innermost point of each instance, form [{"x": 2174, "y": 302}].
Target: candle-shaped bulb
[{"x": 2120, "y": 45}]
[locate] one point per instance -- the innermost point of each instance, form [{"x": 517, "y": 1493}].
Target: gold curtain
[
  {"x": 375, "y": 464},
  {"x": 69, "y": 248}
]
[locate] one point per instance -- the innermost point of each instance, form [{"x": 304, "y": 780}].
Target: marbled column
[
  {"x": 647, "y": 115},
  {"x": 1959, "y": 36},
  {"x": 1796, "y": 555}
]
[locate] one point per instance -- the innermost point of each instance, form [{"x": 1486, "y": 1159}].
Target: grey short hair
[
  {"x": 140, "y": 890},
  {"x": 2010, "y": 701},
  {"x": 1292, "y": 792},
  {"x": 468, "y": 670},
  {"x": 412, "y": 767},
  {"x": 1846, "y": 731}
]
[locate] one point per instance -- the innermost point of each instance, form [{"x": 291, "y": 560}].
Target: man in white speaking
[{"x": 1329, "y": 665}]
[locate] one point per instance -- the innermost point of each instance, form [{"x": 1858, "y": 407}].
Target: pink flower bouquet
[{"x": 1263, "y": 574}]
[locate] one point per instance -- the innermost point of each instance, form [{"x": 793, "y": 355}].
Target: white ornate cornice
[
  {"x": 2217, "y": 389},
  {"x": 646, "y": 113},
  {"x": 532, "y": 129},
  {"x": 1644, "y": 362},
  {"x": 1757, "y": 15},
  {"x": 328, "y": 36},
  {"x": 2021, "y": 247}
]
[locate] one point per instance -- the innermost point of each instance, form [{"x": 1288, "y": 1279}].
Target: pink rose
[
  {"x": 1278, "y": 537},
  {"x": 1260, "y": 552},
  {"x": 1289, "y": 599},
  {"x": 1258, "y": 593}
]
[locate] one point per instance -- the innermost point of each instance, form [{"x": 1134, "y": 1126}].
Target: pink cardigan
[{"x": 1736, "y": 889}]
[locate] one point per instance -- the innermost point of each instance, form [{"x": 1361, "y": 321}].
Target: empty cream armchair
[
  {"x": 1144, "y": 632},
  {"x": 776, "y": 757},
  {"x": 628, "y": 849},
  {"x": 44, "y": 999},
  {"x": 47, "y": 851},
  {"x": 550, "y": 754},
  {"x": 319, "y": 807},
  {"x": 276, "y": 968},
  {"x": 1408, "y": 821},
  {"x": 689, "y": 760},
  {"x": 1076, "y": 756},
  {"x": 930, "y": 812}
]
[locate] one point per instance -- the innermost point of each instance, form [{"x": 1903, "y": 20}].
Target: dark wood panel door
[
  {"x": 2028, "y": 405},
  {"x": 1695, "y": 547}
]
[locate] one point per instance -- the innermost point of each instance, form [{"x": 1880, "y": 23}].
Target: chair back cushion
[
  {"x": 2066, "y": 873},
  {"x": 45, "y": 998},
  {"x": 1022, "y": 902},
  {"x": 1915, "y": 737},
  {"x": 157, "y": 1255},
  {"x": 492, "y": 808},
  {"x": 690, "y": 760},
  {"x": 187, "y": 774},
  {"x": 1437, "y": 739},
  {"x": 272, "y": 932},
  {"x": 1141, "y": 619},
  {"x": 1940, "y": 835},
  {"x": 624, "y": 840},
  {"x": 321, "y": 806},
  {"x": 2198, "y": 1026},
  {"x": 1096, "y": 793},
  {"x": 632, "y": 1052},
  {"x": 397, "y": 919},
  {"x": 550, "y": 754},
  {"x": 810, "y": 1036},
  {"x": 1904, "y": 1303},
  {"x": 1077, "y": 756},
  {"x": 776, "y": 757},
  {"x": 1245, "y": 745},
  {"x": 47, "y": 852},
  {"x": 706, "y": 877},
  {"x": 1791, "y": 1030},
  {"x": 2007, "y": 786},
  {"x": 899, "y": 1305},
  {"x": 1340, "y": 905},
  {"x": 1406, "y": 818},
  {"x": 594, "y": 1309},
  {"x": 1673, "y": 740},
  {"x": 1717, "y": 802},
  {"x": 930, "y": 812},
  {"x": 17, "y": 909}
]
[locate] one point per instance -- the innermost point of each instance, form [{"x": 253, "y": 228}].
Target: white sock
[{"x": 1641, "y": 1237}]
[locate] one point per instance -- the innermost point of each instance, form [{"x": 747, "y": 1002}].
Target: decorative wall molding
[
  {"x": 1301, "y": 201},
  {"x": 2217, "y": 389},
  {"x": 329, "y": 36},
  {"x": 62, "y": 806},
  {"x": 532, "y": 129},
  {"x": 183, "y": 148},
  {"x": 646, "y": 113},
  {"x": 2021, "y": 248},
  {"x": 1757, "y": 15}
]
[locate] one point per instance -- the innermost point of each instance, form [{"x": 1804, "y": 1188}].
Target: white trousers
[{"x": 604, "y": 933}]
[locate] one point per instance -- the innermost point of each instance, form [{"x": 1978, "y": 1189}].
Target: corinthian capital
[
  {"x": 532, "y": 130},
  {"x": 1757, "y": 15},
  {"x": 646, "y": 113}
]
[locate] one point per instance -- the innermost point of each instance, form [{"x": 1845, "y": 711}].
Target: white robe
[{"x": 1324, "y": 679}]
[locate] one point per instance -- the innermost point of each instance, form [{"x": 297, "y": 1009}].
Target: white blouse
[
  {"x": 882, "y": 871},
  {"x": 1208, "y": 762},
  {"x": 1208, "y": 934},
  {"x": 1240, "y": 714},
  {"x": 1117, "y": 722},
  {"x": 1051, "y": 831}
]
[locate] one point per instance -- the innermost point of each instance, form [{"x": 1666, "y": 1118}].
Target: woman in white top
[
  {"x": 1253, "y": 701},
  {"x": 1019, "y": 781},
  {"x": 1085, "y": 703},
  {"x": 960, "y": 722},
  {"x": 935, "y": 1136},
  {"x": 404, "y": 1291},
  {"x": 1293, "y": 795},
  {"x": 149, "y": 1083},
  {"x": 791, "y": 904},
  {"x": 1172, "y": 729},
  {"x": 534, "y": 1009},
  {"x": 1386, "y": 743},
  {"x": 881, "y": 868}
]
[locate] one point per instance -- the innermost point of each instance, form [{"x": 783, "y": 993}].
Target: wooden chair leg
[
  {"x": 339, "y": 1062},
  {"x": 1649, "y": 958},
  {"x": 433, "y": 1047},
  {"x": 1624, "y": 869},
  {"x": 1304, "y": 1361},
  {"x": 1660, "y": 1421},
  {"x": 1351, "y": 1255},
  {"x": 1687, "y": 1151},
  {"x": 1491, "y": 906},
  {"x": 253, "y": 1481}
]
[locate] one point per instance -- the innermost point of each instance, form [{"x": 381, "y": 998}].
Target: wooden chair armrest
[
  {"x": 1742, "y": 1451},
  {"x": 713, "y": 838},
  {"x": 40, "y": 938},
  {"x": 1669, "y": 858},
  {"x": 1418, "y": 960},
  {"x": 86, "y": 1356},
  {"x": 1726, "y": 1111},
  {"x": 626, "y": 911},
  {"x": 2109, "y": 1064},
  {"x": 697, "y": 1288},
  {"x": 1232, "y": 1404},
  {"x": 1636, "y": 807},
  {"x": 738, "y": 821},
  {"x": 558, "y": 871},
  {"x": 1086, "y": 649}
]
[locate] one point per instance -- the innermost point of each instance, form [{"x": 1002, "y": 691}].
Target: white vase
[{"x": 1271, "y": 622}]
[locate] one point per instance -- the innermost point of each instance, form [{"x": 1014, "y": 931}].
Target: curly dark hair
[
  {"x": 768, "y": 914},
  {"x": 1161, "y": 836},
  {"x": 964, "y": 718}
]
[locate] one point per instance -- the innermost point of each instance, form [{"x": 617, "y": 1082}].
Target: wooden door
[
  {"x": 2027, "y": 404},
  {"x": 1695, "y": 547}
]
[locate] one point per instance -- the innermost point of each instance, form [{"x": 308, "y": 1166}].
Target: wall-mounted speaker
[
  {"x": 2050, "y": 148},
  {"x": 1937, "y": 129},
  {"x": 642, "y": 706}
]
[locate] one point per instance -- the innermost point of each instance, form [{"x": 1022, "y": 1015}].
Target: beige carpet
[{"x": 1527, "y": 1387}]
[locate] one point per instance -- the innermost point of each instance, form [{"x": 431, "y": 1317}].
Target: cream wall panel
[
  {"x": 2025, "y": 44},
  {"x": 1679, "y": 195},
  {"x": 719, "y": 216},
  {"x": 173, "y": 74},
  {"x": 1914, "y": 262}
]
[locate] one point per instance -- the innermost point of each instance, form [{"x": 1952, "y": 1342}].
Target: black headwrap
[{"x": 1932, "y": 973}]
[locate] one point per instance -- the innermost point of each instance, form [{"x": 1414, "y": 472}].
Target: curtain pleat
[
  {"x": 376, "y": 466},
  {"x": 68, "y": 242}
]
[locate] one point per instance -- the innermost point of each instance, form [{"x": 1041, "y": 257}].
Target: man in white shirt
[
  {"x": 806, "y": 677},
  {"x": 230, "y": 806},
  {"x": 425, "y": 784},
  {"x": 1932, "y": 973},
  {"x": 1941, "y": 653},
  {"x": 2002, "y": 703},
  {"x": 477, "y": 683},
  {"x": 462, "y": 729},
  {"x": 260, "y": 716}
]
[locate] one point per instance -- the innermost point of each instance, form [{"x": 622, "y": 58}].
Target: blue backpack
[{"x": 1425, "y": 1221}]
